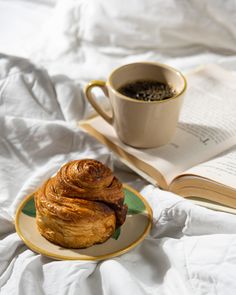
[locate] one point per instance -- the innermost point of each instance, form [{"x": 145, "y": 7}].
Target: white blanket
[
  {"x": 86, "y": 39},
  {"x": 190, "y": 250}
]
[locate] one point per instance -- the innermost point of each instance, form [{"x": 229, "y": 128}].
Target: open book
[{"x": 200, "y": 161}]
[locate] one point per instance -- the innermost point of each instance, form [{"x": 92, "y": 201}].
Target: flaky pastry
[{"x": 81, "y": 205}]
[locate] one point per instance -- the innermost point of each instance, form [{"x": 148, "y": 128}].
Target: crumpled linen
[
  {"x": 190, "y": 250},
  {"x": 86, "y": 39}
]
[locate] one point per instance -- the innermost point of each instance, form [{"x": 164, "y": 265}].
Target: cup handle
[{"x": 90, "y": 97}]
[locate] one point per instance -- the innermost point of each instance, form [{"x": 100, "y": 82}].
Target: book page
[
  {"x": 221, "y": 169},
  {"x": 207, "y": 124}
]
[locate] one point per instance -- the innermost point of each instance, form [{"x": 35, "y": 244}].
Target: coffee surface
[{"x": 147, "y": 90}]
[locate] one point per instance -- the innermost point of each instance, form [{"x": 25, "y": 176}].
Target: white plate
[{"x": 133, "y": 231}]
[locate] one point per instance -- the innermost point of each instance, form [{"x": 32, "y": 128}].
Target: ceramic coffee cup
[{"x": 141, "y": 124}]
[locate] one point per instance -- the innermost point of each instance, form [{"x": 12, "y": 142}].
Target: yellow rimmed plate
[{"x": 132, "y": 232}]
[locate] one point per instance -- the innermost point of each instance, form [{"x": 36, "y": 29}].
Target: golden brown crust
[{"x": 83, "y": 197}]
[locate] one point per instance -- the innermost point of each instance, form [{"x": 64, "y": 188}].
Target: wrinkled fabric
[
  {"x": 190, "y": 250},
  {"x": 86, "y": 39}
]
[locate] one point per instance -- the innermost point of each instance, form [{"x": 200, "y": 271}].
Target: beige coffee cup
[{"x": 141, "y": 124}]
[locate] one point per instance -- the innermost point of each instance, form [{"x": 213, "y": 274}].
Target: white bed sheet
[
  {"x": 190, "y": 250},
  {"x": 20, "y": 23},
  {"x": 87, "y": 39}
]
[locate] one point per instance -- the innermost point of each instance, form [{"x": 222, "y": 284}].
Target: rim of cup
[{"x": 109, "y": 82}]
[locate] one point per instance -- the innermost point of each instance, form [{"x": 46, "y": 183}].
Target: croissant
[{"x": 81, "y": 205}]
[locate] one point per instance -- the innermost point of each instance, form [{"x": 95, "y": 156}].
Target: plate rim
[{"x": 39, "y": 250}]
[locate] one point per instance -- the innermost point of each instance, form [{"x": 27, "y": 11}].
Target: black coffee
[{"x": 147, "y": 90}]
